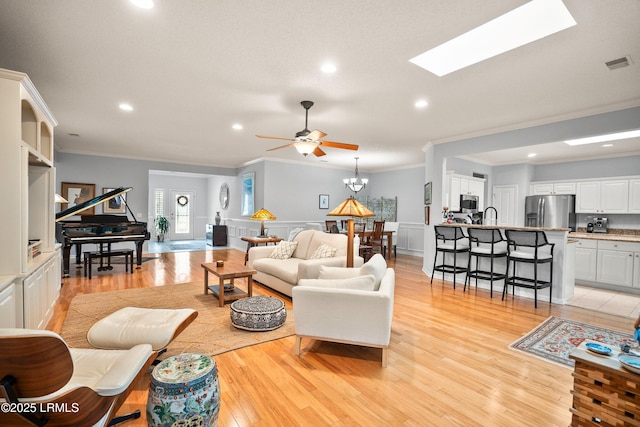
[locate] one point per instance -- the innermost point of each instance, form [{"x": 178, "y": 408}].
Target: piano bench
[{"x": 90, "y": 256}]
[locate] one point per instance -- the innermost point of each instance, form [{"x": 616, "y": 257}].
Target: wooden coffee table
[{"x": 227, "y": 273}]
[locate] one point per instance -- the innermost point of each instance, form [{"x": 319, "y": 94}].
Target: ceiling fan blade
[
  {"x": 318, "y": 152},
  {"x": 275, "y": 137},
  {"x": 282, "y": 146},
  {"x": 342, "y": 145},
  {"x": 316, "y": 135}
]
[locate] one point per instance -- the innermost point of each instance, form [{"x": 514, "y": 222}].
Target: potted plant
[{"x": 162, "y": 227}]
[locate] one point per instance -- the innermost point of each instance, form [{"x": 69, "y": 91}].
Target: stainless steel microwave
[{"x": 469, "y": 203}]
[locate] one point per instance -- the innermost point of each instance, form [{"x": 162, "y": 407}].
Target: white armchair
[{"x": 347, "y": 305}]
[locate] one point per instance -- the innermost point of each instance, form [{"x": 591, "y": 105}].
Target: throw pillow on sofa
[
  {"x": 361, "y": 283},
  {"x": 324, "y": 251},
  {"x": 283, "y": 250},
  {"x": 326, "y": 272},
  {"x": 376, "y": 266}
]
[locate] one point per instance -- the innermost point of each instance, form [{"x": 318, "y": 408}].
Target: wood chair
[
  {"x": 360, "y": 229},
  {"x": 38, "y": 370},
  {"x": 393, "y": 227},
  {"x": 329, "y": 224},
  {"x": 375, "y": 240}
]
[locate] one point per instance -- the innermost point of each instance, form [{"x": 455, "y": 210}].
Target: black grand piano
[{"x": 99, "y": 229}]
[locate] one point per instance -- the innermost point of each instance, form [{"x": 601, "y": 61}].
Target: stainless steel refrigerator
[{"x": 555, "y": 211}]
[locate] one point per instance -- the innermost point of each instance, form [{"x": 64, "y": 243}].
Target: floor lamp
[{"x": 353, "y": 209}]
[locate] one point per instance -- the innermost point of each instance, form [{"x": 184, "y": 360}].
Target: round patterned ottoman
[
  {"x": 258, "y": 313},
  {"x": 184, "y": 391}
]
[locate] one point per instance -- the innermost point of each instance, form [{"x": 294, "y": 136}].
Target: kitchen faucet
[{"x": 484, "y": 215}]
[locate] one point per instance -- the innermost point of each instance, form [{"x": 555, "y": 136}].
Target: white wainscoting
[{"x": 409, "y": 239}]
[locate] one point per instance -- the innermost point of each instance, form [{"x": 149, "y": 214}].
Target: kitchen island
[{"x": 563, "y": 264}]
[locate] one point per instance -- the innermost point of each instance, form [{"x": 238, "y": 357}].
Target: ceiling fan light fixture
[{"x": 305, "y": 147}]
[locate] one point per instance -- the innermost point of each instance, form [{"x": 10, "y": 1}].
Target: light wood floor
[{"x": 449, "y": 361}]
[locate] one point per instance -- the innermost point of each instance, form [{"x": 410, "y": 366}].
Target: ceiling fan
[{"x": 307, "y": 142}]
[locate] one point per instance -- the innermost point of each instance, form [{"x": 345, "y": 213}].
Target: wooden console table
[
  {"x": 604, "y": 393},
  {"x": 255, "y": 241}
]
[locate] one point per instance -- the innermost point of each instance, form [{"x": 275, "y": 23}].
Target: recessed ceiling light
[
  {"x": 237, "y": 126},
  {"x": 421, "y": 103},
  {"x": 525, "y": 24},
  {"x": 143, "y": 4},
  {"x": 328, "y": 68},
  {"x": 604, "y": 138},
  {"x": 125, "y": 107},
  {"x": 531, "y": 155},
  {"x": 607, "y": 145}
]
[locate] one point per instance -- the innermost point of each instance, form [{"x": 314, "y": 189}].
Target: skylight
[
  {"x": 525, "y": 24},
  {"x": 604, "y": 138}
]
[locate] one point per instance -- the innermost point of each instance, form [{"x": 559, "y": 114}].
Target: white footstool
[{"x": 131, "y": 326}]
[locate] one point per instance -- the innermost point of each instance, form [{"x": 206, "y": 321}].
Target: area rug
[
  {"x": 210, "y": 333},
  {"x": 555, "y": 338}
]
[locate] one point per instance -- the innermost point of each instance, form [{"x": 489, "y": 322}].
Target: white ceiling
[{"x": 193, "y": 68}]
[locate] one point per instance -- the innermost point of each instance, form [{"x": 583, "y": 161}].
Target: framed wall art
[
  {"x": 247, "y": 194},
  {"x": 117, "y": 205},
  {"x": 427, "y": 214},
  {"x": 427, "y": 193},
  {"x": 323, "y": 201},
  {"x": 76, "y": 194}
]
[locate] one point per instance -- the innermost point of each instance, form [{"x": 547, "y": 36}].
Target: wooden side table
[
  {"x": 255, "y": 241},
  {"x": 603, "y": 391},
  {"x": 227, "y": 273}
]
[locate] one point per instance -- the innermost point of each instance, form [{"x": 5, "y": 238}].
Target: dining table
[{"x": 387, "y": 233}]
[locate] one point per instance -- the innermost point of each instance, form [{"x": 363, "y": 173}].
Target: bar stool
[
  {"x": 530, "y": 247},
  {"x": 485, "y": 243},
  {"x": 449, "y": 240}
]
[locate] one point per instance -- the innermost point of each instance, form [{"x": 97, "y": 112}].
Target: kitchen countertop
[
  {"x": 504, "y": 227},
  {"x": 606, "y": 236}
]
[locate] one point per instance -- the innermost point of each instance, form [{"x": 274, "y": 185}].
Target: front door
[{"x": 181, "y": 215}]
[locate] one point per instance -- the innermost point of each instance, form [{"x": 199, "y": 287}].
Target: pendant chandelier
[{"x": 356, "y": 183}]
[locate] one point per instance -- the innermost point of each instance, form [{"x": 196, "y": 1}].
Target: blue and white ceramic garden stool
[{"x": 184, "y": 391}]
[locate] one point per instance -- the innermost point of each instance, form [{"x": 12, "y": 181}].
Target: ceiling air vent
[{"x": 618, "y": 63}]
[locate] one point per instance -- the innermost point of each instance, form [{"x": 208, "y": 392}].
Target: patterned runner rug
[{"x": 555, "y": 338}]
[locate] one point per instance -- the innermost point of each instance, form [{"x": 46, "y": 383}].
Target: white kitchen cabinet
[
  {"x": 606, "y": 197},
  {"x": 614, "y": 196},
  {"x": 616, "y": 262},
  {"x": 546, "y": 188},
  {"x": 461, "y": 184},
  {"x": 586, "y": 260},
  {"x": 634, "y": 195}
]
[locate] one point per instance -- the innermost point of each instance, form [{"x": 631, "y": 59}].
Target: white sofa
[
  {"x": 283, "y": 274},
  {"x": 347, "y": 305}
]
